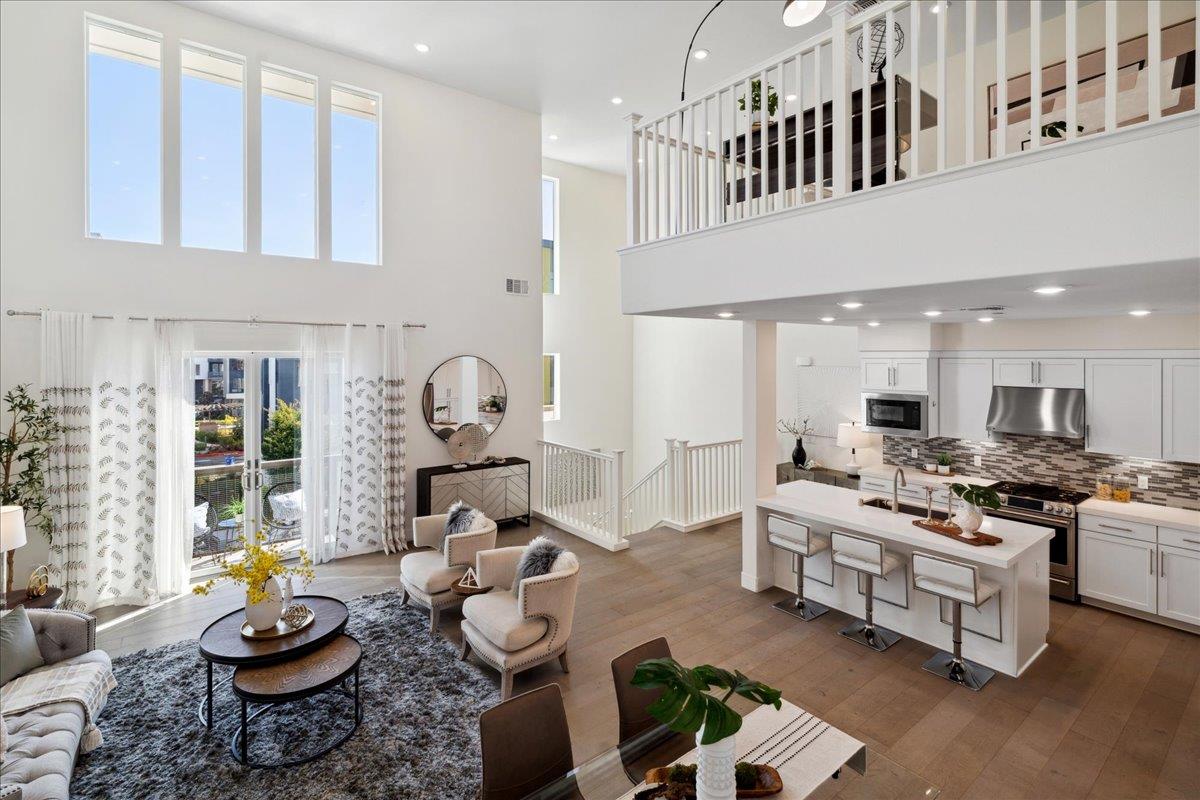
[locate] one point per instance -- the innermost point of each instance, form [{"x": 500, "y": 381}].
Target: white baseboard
[
  {"x": 599, "y": 541},
  {"x": 757, "y": 583}
]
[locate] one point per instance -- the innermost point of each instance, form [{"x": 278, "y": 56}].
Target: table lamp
[
  {"x": 12, "y": 536},
  {"x": 853, "y": 437}
]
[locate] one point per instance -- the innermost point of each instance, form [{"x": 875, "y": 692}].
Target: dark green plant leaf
[{"x": 685, "y": 705}]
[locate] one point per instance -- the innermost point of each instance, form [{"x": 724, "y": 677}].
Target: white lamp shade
[
  {"x": 801, "y": 12},
  {"x": 850, "y": 435},
  {"x": 12, "y": 528}
]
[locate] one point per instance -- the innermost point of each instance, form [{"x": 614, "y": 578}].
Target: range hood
[{"x": 1036, "y": 412}]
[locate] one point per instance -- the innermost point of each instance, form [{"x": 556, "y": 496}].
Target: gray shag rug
[{"x": 419, "y": 736}]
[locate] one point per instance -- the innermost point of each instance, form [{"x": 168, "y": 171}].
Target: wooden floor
[{"x": 1111, "y": 710}]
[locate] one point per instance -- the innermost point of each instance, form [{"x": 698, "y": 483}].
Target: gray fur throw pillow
[
  {"x": 460, "y": 518},
  {"x": 538, "y": 558}
]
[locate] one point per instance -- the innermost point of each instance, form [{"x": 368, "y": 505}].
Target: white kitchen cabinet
[
  {"x": 895, "y": 374},
  {"x": 1118, "y": 570},
  {"x": 1045, "y": 373},
  {"x": 1181, "y": 409},
  {"x": 1124, "y": 407},
  {"x": 964, "y": 394},
  {"x": 1179, "y": 584}
]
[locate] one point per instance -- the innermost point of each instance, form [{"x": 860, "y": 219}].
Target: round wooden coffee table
[
  {"x": 222, "y": 642},
  {"x": 328, "y": 668}
]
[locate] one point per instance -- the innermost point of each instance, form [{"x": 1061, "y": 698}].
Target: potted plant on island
[
  {"x": 257, "y": 569},
  {"x": 969, "y": 515},
  {"x": 798, "y": 428},
  {"x": 944, "y": 461},
  {"x": 686, "y": 706}
]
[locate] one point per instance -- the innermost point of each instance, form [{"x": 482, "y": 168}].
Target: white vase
[
  {"x": 943, "y": 469},
  {"x": 264, "y": 614},
  {"x": 714, "y": 769},
  {"x": 968, "y": 517}
]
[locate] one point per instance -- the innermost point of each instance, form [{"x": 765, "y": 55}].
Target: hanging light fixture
[{"x": 801, "y": 12}]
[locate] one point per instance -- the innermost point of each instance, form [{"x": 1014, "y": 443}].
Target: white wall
[
  {"x": 460, "y": 212},
  {"x": 1155, "y": 332},
  {"x": 583, "y": 323}
]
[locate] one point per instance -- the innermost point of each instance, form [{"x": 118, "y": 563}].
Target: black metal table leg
[
  {"x": 357, "y": 707},
  {"x": 210, "y": 697},
  {"x": 245, "y": 733}
]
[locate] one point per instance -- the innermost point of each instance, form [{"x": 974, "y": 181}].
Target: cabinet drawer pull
[
  {"x": 1060, "y": 580},
  {"x": 1151, "y": 554},
  {"x": 1162, "y": 564},
  {"x": 1114, "y": 527}
]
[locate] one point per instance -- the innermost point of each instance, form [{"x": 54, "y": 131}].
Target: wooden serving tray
[
  {"x": 949, "y": 474},
  {"x": 952, "y": 531},
  {"x": 769, "y": 782}
]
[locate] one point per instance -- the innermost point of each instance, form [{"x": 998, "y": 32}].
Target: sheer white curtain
[
  {"x": 175, "y": 443},
  {"x": 321, "y": 357}
]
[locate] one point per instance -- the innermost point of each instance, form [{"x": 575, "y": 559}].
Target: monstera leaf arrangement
[{"x": 686, "y": 704}]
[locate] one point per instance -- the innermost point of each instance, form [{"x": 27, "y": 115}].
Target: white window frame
[
  {"x": 317, "y": 206},
  {"x": 90, "y": 19},
  {"x": 554, "y": 413},
  {"x": 378, "y": 98},
  {"x": 187, "y": 44},
  {"x": 557, "y": 238}
]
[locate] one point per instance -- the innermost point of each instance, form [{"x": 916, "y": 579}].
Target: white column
[{"x": 758, "y": 448}]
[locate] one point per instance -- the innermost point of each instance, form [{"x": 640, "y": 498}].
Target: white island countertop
[{"x": 836, "y": 506}]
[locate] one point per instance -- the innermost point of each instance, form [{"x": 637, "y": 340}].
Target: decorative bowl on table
[{"x": 670, "y": 786}]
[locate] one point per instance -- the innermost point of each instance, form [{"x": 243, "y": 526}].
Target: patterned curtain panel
[
  {"x": 101, "y": 478},
  {"x": 394, "y": 439}
]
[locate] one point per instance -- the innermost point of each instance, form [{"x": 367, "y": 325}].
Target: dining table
[{"x": 813, "y": 758}]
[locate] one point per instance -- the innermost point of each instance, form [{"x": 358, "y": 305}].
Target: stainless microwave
[{"x": 896, "y": 414}]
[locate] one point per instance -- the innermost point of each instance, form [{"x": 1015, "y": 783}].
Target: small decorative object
[
  {"x": 296, "y": 614},
  {"x": 876, "y": 49},
  {"x": 944, "y": 461},
  {"x": 288, "y": 593},
  {"x": 687, "y": 707},
  {"x": 39, "y": 583},
  {"x": 798, "y": 428},
  {"x": 930, "y": 467},
  {"x": 466, "y": 443},
  {"x": 969, "y": 515},
  {"x": 468, "y": 584},
  {"x": 258, "y": 568},
  {"x": 1121, "y": 492},
  {"x": 750, "y": 780},
  {"x": 1104, "y": 487}
]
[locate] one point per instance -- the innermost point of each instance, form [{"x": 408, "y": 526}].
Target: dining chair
[
  {"x": 632, "y": 701},
  {"x": 525, "y": 744}
]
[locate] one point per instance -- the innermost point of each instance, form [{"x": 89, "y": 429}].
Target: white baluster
[
  {"x": 942, "y": 101},
  {"x": 818, "y": 126},
  {"x": 1035, "y": 74},
  {"x": 842, "y": 145},
  {"x": 781, "y": 142},
  {"x": 1110, "y": 66},
  {"x": 1154, "y": 57},
  {"x": 889, "y": 96},
  {"x": 969, "y": 94},
  {"x": 799, "y": 129},
  {"x": 633, "y": 216},
  {"x": 865, "y": 105},
  {"x": 1072, "y": 32},
  {"x": 914, "y": 126},
  {"x": 1001, "y": 77}
]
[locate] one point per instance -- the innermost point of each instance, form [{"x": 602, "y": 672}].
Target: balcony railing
[
  {"x": 220, "y": 486},
  {"x": 873, "y": 101}
]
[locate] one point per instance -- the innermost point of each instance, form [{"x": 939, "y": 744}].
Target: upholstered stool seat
[
  {"x": 868, "y": 558},
  {"x": 426, "y": 575},
  {"x": 961, "y": 585},
  {"x": 798, "y": 539}
]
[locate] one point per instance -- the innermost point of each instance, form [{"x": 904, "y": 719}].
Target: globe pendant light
[{"x": 801, "y": 12}]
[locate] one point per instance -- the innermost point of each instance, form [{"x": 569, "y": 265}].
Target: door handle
[
  {"x": 1039, "y": 373},
  {"x": 1151, "y": 554},
  {"x": 1032, "y": 373},
  {"x": 1113, "y": 527},
  {"x": 1162, "y": 564}
]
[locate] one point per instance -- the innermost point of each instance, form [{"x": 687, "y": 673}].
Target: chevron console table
[{"x": 501, "y": 491}]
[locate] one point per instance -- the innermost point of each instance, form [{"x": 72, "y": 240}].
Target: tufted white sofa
[{"x": 43, "y": 742}]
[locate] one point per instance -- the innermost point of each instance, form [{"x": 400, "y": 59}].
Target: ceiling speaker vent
[
  {"x": 516, "y": 286},
  {"x": 992, "y": 309}
]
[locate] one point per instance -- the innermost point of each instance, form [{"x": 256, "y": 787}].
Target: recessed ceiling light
[
  {"x": 985, "y": 319},
  {"x": 932, "y": 313},
  {"x": 851, "y": 304},
  {"x": 873, "y": 324},
  {"x": 1050, "y": 289},
  {"x": 616, "y": 101},
  {"x": 791, "y": 98},
  {"x": 724, "y": 314},
  {"x": 553, "y": 137},
  {"x": 827, "y": 319},
  {"x": 421, "y": 47},
  {"x": 700, "y": 54},
  {"x": 1141, "y": 312}
]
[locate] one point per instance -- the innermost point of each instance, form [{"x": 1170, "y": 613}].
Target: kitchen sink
[{"x": 905, "y": 508}]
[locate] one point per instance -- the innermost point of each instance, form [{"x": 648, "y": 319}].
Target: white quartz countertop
[
  {"x": 1181, "y": 518},
  {"x": 914, "y": 475},
  {"x": 833, "y": 505}
]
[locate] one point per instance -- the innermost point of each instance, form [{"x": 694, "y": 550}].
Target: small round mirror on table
[{"x": 464, "y": 390}]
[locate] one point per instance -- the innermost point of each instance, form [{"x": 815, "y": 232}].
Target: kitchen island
[{"x": 1007, "y": 633}]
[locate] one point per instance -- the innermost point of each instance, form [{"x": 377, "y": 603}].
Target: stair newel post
[
  {"x": 682, "y": 501},
  {"x": 619, "y": 525},
  {"x": 669, "y": 512}
]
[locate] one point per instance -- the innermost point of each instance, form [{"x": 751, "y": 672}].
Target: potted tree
[
  {"x": 969, "y": 515},
  {"x": 24, "y": 449},
  {"x": 686, "y": 706},
  {"x": 756, "y": 102}
]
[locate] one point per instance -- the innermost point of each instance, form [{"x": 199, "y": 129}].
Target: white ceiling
[
  {"x": 1160, "y": 288},
  {"x": 564, "y": 60}
]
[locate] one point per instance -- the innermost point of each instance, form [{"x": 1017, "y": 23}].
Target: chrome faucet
[{"x": 898, "y": 480}]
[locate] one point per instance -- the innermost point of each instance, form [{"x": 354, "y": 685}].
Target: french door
[{"x": 247, "y": 453}]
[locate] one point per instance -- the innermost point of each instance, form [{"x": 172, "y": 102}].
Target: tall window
[
  {"x": 549, "y": 235},
  {"x": 354, "y": 137},
  {"x": 550, "y": 399},
  {"x": 289, "y": 164},
  {"x": 212, "y": 97},
  {"x": 124, "y": 96}
]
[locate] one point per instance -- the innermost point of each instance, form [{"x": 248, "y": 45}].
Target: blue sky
[{"x": 124, "y": 111}]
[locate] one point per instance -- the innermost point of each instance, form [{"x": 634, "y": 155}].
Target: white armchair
[
  {"x": 516, "y": 627},
  {"x": 426, "y": 575}
]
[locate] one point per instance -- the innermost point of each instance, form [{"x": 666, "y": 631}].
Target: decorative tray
[
  {"x": 281, "y": 628},
  {"x": 769, "y": 783},
  {"x": 951, "y": 530},
  {"x": 949, "y": 474}
]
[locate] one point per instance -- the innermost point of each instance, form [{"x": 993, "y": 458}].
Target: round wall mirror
[{"x": 464, "y": 390}]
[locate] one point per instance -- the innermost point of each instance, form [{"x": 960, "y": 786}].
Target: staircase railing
[{"x": 581, "y": 492}]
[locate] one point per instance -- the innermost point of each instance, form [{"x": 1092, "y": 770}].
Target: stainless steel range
[{"x": 1050, "y": 507}]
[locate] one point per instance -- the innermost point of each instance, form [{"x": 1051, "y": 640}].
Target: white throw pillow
[
  {"x": 200, "y": 519},
  {"x": 565, "y": 562},
  {"x": 287, "y": 509}
]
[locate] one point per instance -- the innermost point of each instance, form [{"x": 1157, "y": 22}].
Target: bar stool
[
  {"x": 799, "y": 540},
  {"x": 867, "y": 557},
  {"x": 959, "y": 583}
]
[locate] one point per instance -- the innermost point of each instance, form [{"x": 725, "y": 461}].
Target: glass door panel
[
  {"x": 219, "y": 512},
  {"x": 278, "y": 472}
]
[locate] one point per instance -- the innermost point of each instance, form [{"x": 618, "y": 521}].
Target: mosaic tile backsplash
[{"x": 1060, "y": 462}]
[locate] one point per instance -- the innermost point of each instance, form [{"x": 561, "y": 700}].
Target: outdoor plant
[
  {"x": 944, "y": 460},
  {"x": 281, "y": 439},
  {"x": 233, "y": 509},
  {"x": 796, "y": 427},
  {"x": 261, "y": 561},
  {"x": 686, "y": 705},
  {"x": 756, "y": 98},
  {"x": 978, "y": 496}
]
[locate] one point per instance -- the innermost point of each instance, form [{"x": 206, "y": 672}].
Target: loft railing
[{"x": 818, "y": 122}]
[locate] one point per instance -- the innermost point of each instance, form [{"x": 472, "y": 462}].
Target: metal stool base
[
  {"x": 966, "y": 673},
  {"x": 804, "y": 609},
  {"x": 872, "y": 636}
]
